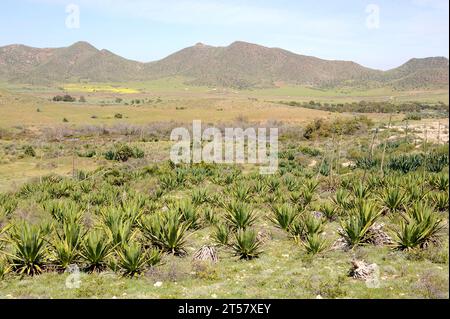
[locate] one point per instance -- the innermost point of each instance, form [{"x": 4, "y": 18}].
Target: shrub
[
  {"x": 124, "y": 152},
  {"x": 412, "y": 117},
  {"x": 28, "y": 150},
  {"x": 65, "y": 98},
  {"x": 118, "y": 116}
]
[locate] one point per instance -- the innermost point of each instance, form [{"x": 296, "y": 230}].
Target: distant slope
[{"x": 239, "y": 65}]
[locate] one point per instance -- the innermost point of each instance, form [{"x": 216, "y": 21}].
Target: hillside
[{"x": 239, "y": 65}]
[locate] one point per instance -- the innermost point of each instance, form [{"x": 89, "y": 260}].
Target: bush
[
  {"x": 412, "y": 117},
  {"x": 29, "y": 151},
  {"x": 124, "y": 152},
  {"x": 322, "y": 128},
  {"x": 65, "y": 98}
]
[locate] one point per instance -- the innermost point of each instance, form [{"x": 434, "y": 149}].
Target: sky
[{"x": 380, "y": 34}]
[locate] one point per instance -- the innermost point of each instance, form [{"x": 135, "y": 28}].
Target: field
[{"x": 91, "y": 206}]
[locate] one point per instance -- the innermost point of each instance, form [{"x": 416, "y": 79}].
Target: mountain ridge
[{"x": 239, "y": 65}]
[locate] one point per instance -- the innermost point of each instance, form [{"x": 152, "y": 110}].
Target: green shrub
[
  {"x": 28, "y": 150},
  {"x": 123, "y": 152}
]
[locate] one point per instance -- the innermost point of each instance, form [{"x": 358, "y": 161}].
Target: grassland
[{"x": 46, "y": 161}]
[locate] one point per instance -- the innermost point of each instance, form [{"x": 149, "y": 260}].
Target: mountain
[
  {"x": 81, "y": 60},
  {"x": 239, "y": 65}
]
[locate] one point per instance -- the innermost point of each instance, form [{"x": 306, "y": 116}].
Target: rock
[{"x": 158, "y": 284}]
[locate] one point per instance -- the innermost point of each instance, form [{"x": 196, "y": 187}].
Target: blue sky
[{"x": 150, "y": 30}]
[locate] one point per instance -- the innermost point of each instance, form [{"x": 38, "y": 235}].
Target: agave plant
[
  {"x": 221, "y": 234},
  {"x": 168, "y": 182},
  {"x": 246, "y": 244},
  {"x": 166, "y": 231},
  {"x": 154, "y": 256},
  {"x": 63, "y": 211},
  {"x": 311, "y": 185},
  {"x": 133, "y": 208},
  {"x": 239, "y": 215},
  {"x": 419, "y": 226},
  {"x": 414, "y": 192},
  {"x": 440, "y": 200},
  {"x": 199, "y": 196},
  {"x": 342, "y": 199},
  {"x": 120, "y": 232},
  {"x": 435, "y": 162},
  {"x": 96, "y": 249},
  {"x": 439, "y": 182},
  {"x": 307, "y": 196},
  {"x": 297, "y": 229},
  {"x": 360, "y": 191},
  {"x": 291, "y": 183},
  {"x": 392, "y": 199},
  {"x": 259, "y": 187},
  {"x": 361, "y": 218},
  {"x": 314, "y": 243},
  {"x": 406, "y": 162},
  {"x": 8, "y": 204},
  {"x": 67, "y": 244},
  {"x": 312, "y": 224},
  {"x": 328, "y": 210},
  {"x": 4, "y": 268},
  {"x": 29, "y": 249},
  {"x": 209, "y": 215},
  {"x": 283, "y": 215},
  {"x": 189, "y": 213},
  {"x": 132, "y": 259},
  {"x": 273, "y": 183},
  {"x": 241, "y": 192}
]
